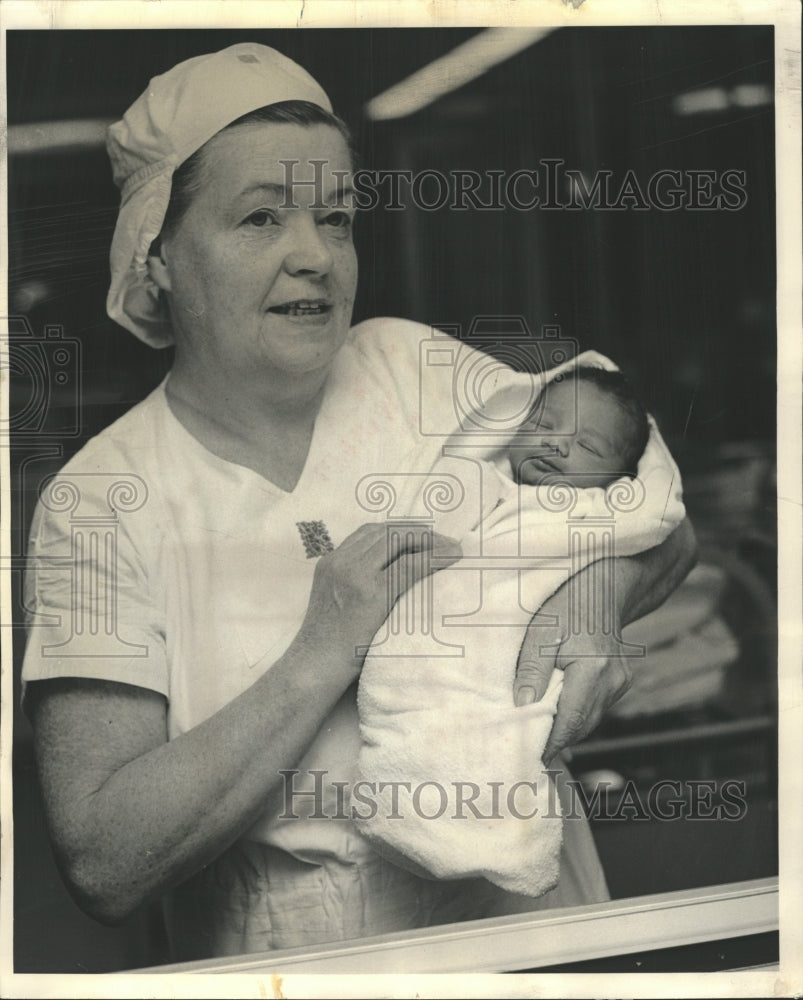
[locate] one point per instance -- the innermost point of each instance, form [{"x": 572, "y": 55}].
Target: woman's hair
[
  {"x": 187, "y": 178},
  {"x": 615, "y": 384}
]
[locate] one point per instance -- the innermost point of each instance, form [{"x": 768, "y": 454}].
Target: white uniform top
[
  {"x": 211, "y": 577},
  {"x": 156, "y": 563}
]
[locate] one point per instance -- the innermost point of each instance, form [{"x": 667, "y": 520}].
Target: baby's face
[{"x": 576, "y": 436}]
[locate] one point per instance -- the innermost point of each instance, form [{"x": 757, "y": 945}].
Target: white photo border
[{"x": 277, "y": 979}]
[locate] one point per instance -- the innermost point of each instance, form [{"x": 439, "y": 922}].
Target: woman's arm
[
  {"x": 596, "y": 674},
  {"x": 132, "y": 814}
]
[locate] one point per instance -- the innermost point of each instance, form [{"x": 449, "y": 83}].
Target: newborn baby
[
  {"x": 440, "y": 718},
  {"x": 587, "y": 429}
]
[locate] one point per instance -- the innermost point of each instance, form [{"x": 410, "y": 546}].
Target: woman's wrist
[
  {"x": 644, "y": 581},
  {"x": 325, "y": 657}
]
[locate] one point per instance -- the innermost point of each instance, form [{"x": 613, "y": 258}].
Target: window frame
[{"x": 530, "y": 941}]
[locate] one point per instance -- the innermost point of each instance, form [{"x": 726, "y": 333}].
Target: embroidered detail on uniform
[{"x": 315, "y": 537}]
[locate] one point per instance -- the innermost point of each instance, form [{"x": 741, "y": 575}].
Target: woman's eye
[
  {"x": 262, "y": 217},
  {"x": 338, "y": 220}
]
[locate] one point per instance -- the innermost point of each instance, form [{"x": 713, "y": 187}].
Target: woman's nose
[{"x": 309, "y": 253}]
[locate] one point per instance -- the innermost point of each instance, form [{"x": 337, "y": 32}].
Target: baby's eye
[
  {"x": 588, "y": 447},
  {"x": 261, "y": 218}
]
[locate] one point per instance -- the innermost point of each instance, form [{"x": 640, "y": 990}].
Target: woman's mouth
[{"x": 303, "y": 308}]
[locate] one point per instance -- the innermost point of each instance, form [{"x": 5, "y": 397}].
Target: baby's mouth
[
  {"x": 302, "y": 307},
  {"x": 542, "y": 462}
]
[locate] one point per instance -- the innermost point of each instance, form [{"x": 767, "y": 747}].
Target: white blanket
[{"x": 465, "y": 793}]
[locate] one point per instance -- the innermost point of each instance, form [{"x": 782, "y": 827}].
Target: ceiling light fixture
[{"x": 451, "y": 71}]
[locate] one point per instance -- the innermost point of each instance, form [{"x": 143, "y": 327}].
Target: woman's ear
[{"x": 157, "y": 267}]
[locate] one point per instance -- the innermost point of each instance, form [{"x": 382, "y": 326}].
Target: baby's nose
[{"x": 558, "y": 443}]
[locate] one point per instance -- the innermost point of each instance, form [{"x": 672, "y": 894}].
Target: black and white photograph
[{"x": 401, "y": 533}]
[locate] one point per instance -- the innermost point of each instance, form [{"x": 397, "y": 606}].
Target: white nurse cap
[{"x": 180, "y": 111}]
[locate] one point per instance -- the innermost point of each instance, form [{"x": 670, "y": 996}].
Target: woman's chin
[{"x": 303, "y": 348}]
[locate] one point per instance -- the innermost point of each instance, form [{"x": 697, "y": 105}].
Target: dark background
[{"x": 683, "y": 301}]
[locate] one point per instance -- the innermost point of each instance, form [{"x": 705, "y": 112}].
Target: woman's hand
[
  {"x": 597, "y": 670},
  {"x": 596, "y": 675},
  {"x": 355, "y": 587}
]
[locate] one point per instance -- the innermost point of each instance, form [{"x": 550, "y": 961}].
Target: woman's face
[{"x": 261, "y": 276}]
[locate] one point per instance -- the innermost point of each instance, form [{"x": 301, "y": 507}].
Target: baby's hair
[{"x": 616, "y": 385}]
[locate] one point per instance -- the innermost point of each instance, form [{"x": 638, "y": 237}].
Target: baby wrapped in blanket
[{"x": 458, "y": 787}]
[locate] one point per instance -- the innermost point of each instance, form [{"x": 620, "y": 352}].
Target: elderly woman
[{"x": 242, "y": 579}]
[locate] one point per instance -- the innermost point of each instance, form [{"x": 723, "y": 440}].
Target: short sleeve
[{"x": 88, "y": 599}]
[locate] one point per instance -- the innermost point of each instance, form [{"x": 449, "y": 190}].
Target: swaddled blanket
[{"x": 458, "y": 787}]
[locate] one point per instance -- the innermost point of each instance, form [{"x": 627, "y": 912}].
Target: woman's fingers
[
  {"x": 381, "y": 543},
  {"x": 535, "y": 666},
  {"x": 531, "y": 681},
  {"x": 419, "y": 559},
  {"x": 595, "y": 675},
  {"x": 591, "y": 684},
  {"x": 579, "y": 710},
  {"x": 418, "y": 540},
  {"x": 355, "y": 586}
]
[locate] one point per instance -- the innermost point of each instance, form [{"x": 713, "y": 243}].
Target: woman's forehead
[{"x": 303, "y": 161}]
